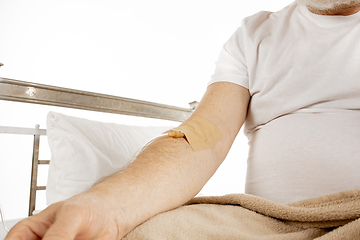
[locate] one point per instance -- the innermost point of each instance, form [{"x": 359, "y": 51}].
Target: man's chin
[{"x": 329, "y": 5}]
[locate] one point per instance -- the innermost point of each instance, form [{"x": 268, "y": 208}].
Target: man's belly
[{"x": 305, "y": 155}]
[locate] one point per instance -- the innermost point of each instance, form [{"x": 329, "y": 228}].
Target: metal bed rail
[
  {"x": 20, "y": 91},
  {"x": 37, "y": 132}
]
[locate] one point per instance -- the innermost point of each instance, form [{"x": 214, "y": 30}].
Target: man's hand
[{"x": 81, "y": 217}]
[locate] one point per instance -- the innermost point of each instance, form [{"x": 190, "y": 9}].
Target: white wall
[{"x": 160, "y": 50}]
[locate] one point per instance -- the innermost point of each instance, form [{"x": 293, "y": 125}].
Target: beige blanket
[{"x": 246, "y": 217}]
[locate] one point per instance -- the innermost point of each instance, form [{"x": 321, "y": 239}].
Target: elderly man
[{"x": 293, "y": 78}]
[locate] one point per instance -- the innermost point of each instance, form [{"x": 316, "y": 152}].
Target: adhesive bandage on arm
[{"x": 199, "y": 132}]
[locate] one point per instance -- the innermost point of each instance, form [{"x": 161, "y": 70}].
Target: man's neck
[{"x": 342, "y": 10}]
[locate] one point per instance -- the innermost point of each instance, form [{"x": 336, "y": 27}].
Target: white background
[{"x": 160, "y": 50}]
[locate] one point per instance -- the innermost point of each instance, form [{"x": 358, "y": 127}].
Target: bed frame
[{"x": 20, "y": 91}]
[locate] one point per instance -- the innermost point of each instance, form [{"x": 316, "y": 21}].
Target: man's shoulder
[{"x": 267, "y": 19}]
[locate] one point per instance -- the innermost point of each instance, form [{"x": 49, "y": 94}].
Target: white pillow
[{"x": 84, "y": 151}]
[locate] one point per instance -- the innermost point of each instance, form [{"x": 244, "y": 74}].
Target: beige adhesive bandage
[{"x": 199, "y": 132}]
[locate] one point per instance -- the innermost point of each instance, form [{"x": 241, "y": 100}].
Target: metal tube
[{"x": 34, "y": 172}]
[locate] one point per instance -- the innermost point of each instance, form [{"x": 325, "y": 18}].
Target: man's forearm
[{"x": 165, "y": 175}]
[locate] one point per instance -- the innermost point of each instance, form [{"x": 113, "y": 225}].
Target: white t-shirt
[{"x": 303, "y": 124}]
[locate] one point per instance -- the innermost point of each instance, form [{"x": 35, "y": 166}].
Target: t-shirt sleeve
[{"x": 231, "y": 64}]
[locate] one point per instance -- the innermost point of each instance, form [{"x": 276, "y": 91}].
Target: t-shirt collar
[{"x": 329, "y": 21}]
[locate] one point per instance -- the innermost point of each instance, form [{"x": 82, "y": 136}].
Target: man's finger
[
  {"x": 21, "y": 232},
  {"x": 28, "y": 229},
  {"x": 66, "y": 227}
]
